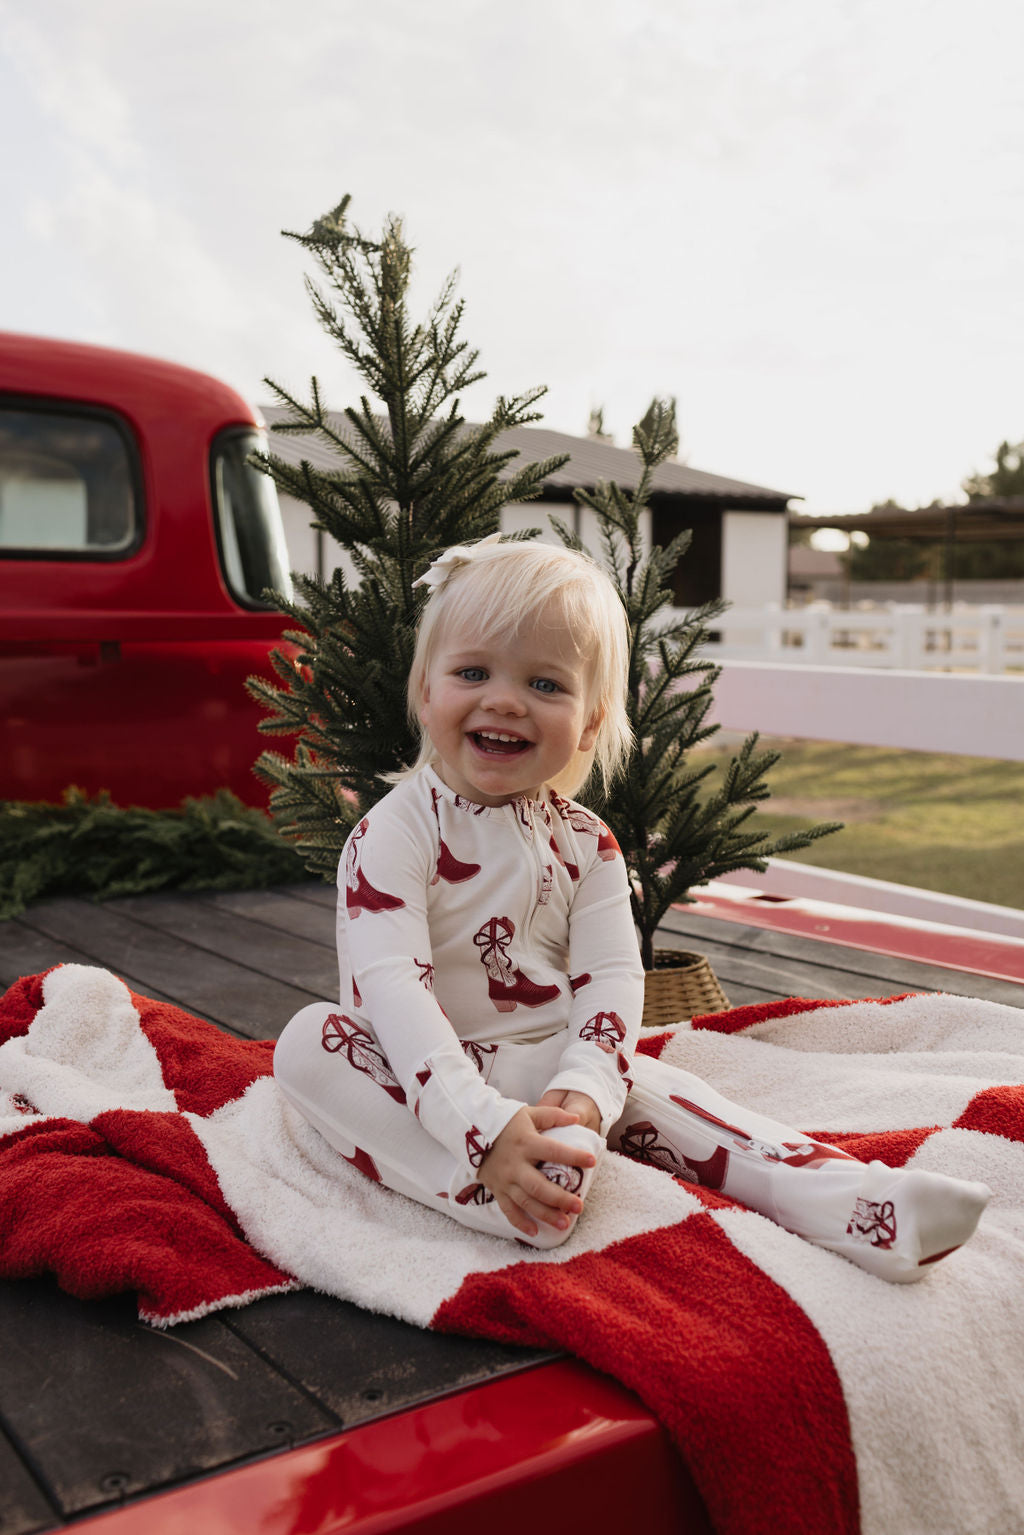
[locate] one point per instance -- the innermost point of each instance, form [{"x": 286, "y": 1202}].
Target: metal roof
[{"x": 590, "y": 460}]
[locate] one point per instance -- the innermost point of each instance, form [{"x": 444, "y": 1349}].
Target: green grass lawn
[{"x": 954, "y": 824}]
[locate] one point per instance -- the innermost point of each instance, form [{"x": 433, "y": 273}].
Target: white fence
[
  {"x": 974, "y": 716},
  {"x": 978, "y": 639}
]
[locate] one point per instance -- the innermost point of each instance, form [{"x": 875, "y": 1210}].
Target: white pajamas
[{"x": 487, "y": 954}]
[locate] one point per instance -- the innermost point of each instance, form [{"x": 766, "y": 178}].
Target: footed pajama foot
[
  {"x": 895, "y": 1222},
  {"x": 576, "y": 1179}
]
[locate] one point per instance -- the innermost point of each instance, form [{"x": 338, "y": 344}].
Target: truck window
[
  {"x": 69, "y": 484},
  {"x": 250, "y": 533}
]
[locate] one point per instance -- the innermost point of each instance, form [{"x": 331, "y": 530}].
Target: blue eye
[
  {"x": 472, "y": 673},
  {"x": 545, "y": 685}
]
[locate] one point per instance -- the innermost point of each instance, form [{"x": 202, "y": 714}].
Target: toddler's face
[{"x": 506, "y": 718}]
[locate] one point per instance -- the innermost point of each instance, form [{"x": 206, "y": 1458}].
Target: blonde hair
[{"x": 500, "y": 589}]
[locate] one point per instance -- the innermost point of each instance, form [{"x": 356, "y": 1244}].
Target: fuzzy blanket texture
[{"x": 143, "y": 1150}]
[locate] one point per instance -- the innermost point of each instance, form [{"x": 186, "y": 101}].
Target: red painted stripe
[
  {"x": 978, "y": 953},
  {"x": 726, "y": 1359}
]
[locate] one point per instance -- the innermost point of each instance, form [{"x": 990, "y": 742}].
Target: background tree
[
  {"x": 1006, "y": 479},
  {"x": 674, "y": 828},
  {"x": 1001, "y": 559},
  {"x": 412, "y": 478},
  {"x": 891, "y": 559},
  {"x": 906, "y": 559}
]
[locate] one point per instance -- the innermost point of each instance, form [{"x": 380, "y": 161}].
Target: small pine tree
[
  {"x": 413, "y": 478},
  {"x": 673, "y": 832}
]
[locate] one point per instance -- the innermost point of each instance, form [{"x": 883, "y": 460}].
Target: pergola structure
[
  {"x": 994, "y": 520},
  {"x": 986, "y": 521}
]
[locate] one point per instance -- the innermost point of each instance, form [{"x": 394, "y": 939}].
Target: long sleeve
[
  {"x": 606, "y": 977},
  {"x": 385, "y": 947}
]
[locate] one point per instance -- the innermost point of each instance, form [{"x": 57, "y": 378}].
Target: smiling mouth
[{"x": 498, "y": 744}]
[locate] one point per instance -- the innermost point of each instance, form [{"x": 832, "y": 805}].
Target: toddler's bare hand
[
  {"x": 525, "y": 1196},
  {"x": 581, "y": 1104}
]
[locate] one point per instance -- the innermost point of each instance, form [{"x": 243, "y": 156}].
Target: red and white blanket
[{"x": 141, "y": 1149}]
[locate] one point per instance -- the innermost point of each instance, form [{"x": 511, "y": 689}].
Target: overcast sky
[{"x": 804, "y": 219}]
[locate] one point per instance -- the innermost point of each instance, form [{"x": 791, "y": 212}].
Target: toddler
[{"x": 481, "y": 1057}]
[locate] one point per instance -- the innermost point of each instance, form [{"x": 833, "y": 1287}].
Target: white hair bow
[{"x": 438, "y": 572}]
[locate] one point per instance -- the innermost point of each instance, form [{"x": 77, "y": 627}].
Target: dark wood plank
[
  {"x": 364, "y": 1365},
  {"x": 24, "y": 1510},
  {"x": 103, "y": 1407},
  {"x": 317, "y": 892},
  {"x": 742, "y": 995},
  {"x": 761, "y": 940},
  {"x": 200, "y": 981},
  {"x": 889, "y": 972},
  {"x": 739, "y": 968},
  {"x": 304, "y": 919},
  {"x": 280, "y": 956},
  {"x": 23, "y": 951}
]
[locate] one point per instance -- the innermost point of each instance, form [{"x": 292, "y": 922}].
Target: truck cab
[{"x": 137, "y": 543}]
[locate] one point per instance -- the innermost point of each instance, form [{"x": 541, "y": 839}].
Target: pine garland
[{"x": 90, "y": 846}]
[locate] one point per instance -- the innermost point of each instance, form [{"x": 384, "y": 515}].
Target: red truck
[{"x": 136, "y": 542}]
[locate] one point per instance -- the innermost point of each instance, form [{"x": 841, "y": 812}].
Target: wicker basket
[{"x": 681, "y": 985}]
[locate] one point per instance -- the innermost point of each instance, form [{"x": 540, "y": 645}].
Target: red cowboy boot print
[
  {"x": 584, "y": 821},
  {"x": 476, "y": 1147},
  {"x": 506, "y": 983},
  {"x": 361, "y": 1050},
  {"x": 449, "y": 868},
  {"x": 801, "y": 1153},
  {"x": 363, "y": 1163},
  {"x": 577, "y": 982},
  {"x": 606, "y": 1030},
  {"x": 607, "y": 847},
  {"x": 481, "y": 1055},
  {"x": 360, "y": 895},
  {"x": 473, "y": 1194},
  {"x": 470, "y": 806},
  {"x": 426, "y": 972},
  {"x": 422, "y": 1077},
  {"x": 873, "y": 1223},
  {"x": 812, "y": 1154},
  {"x": 572, "y": 869},
  {"x": 644, "y": 1142},
  {"x": 570, "y": 1178}
]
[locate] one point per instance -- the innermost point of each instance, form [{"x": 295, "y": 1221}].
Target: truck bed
[{"x": 313, "y": 1414}]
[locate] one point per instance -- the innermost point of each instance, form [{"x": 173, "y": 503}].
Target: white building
[{"x": 739, "y": 548}]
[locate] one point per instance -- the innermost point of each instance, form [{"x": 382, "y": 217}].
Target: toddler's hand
[
  {"x": 511, "y": 1173},
  {"x": 581, "y": 1104}
]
